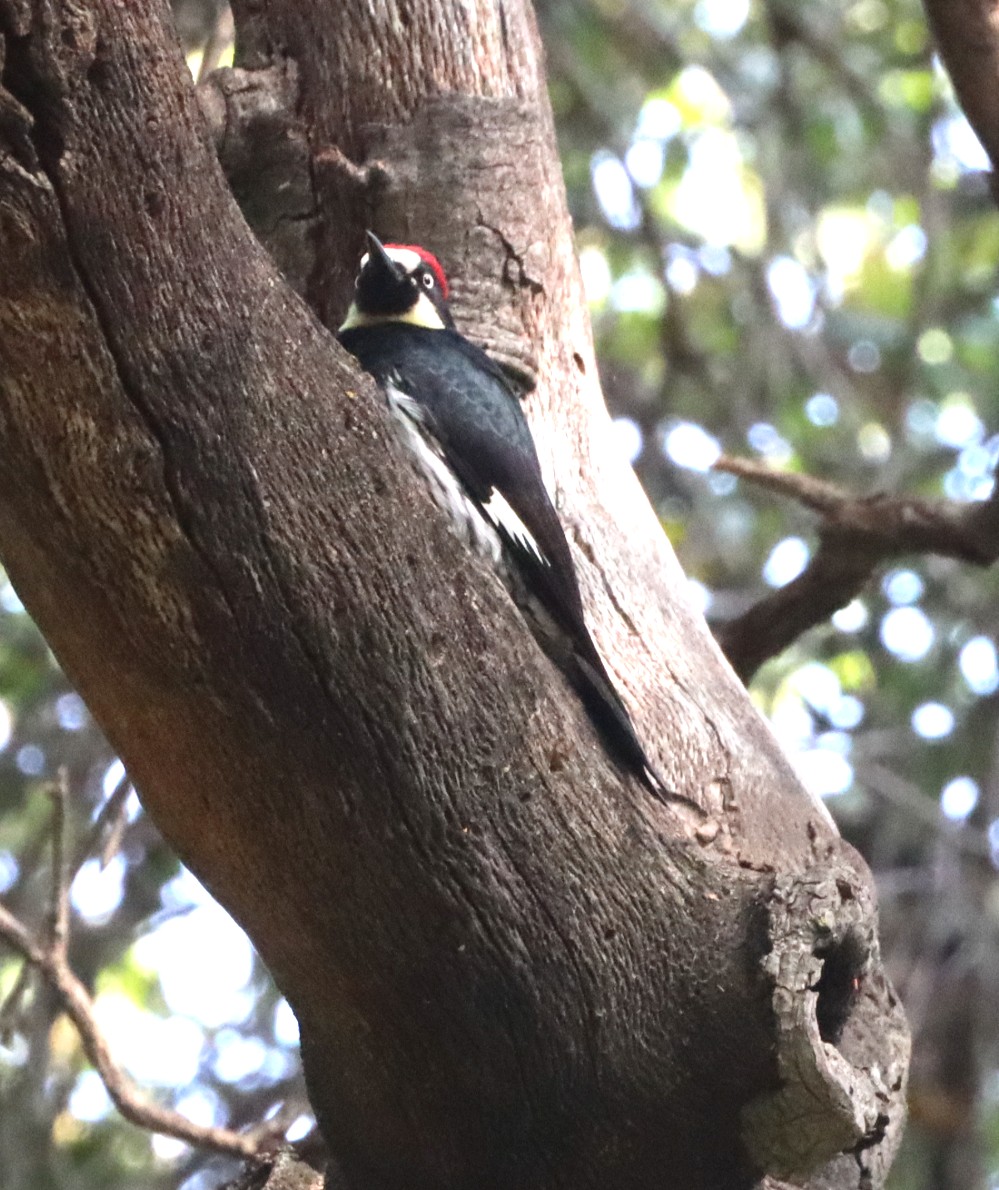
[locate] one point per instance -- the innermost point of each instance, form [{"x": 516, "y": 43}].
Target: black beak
[{"x": 380, "y": 261}]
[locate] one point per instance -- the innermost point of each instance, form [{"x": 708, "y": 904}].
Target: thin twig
[
  {"x": 816, "y": 494},
  {"x": 107, "y": 826},
  {"x": 50, "y": 959},
  {"x": 113, "y": 839},
  {"x": 59, "y": 904},
  {"x": 111, "y": 820},
  {"x": 79, "y": 1007}
]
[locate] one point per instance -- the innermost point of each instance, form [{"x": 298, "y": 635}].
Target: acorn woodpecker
[{"x": 463, "y": 422}]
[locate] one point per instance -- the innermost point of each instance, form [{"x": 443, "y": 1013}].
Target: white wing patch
[
  {"x": 499, "y": 512},
  {"x": 401, "y": 403},
  {"x": 481, "y": 526},
  {"x": 445, "y": 487}
]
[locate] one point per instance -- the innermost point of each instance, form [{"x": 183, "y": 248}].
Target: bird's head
[{"x": 399, "y": 283}]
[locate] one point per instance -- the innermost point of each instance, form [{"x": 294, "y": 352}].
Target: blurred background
[{"x": 789, "y": 249}]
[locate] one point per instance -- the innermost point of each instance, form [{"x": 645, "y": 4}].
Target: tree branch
[
  {"x": 78, "y": 1006},
  {"x": 857, "y": 534},
  {"x": 59, "y": 907},
  {"x": 51, "y": 960}
]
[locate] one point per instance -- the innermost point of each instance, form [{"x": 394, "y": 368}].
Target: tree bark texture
[{"x": 510, "y": 966}]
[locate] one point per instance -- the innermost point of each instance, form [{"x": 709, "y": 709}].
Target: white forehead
[{"x": 409, "y": 259}]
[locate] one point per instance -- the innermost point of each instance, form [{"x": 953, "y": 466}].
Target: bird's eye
[{"x": 428, "y": 280}]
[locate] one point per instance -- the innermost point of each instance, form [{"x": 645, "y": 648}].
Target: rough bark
[{"x": 511, "y": 967}]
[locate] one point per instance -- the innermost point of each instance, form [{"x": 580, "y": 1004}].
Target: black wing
[
  {"x": 475, "y": 415},
  {"x": 473, "y": 412}
]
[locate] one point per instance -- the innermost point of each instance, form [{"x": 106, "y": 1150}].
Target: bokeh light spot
[
  {"x": 96, "y": 892},
  {"x": 958, "y": 798},
  {"x": 852, "y": 618},
  {"x": 690, "y": 445},
  {"x": 906, "y": 632},
  {"x": 822, "y": 410},
  {"x": 627, "y": 437},
  {"x": 979, "y": 665},
  {"x": 902, "y": 587},
  {"x": 787, "y": 560},
  {"x": 933, "y": 721}
]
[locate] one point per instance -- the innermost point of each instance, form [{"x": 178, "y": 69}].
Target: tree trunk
[{"x": 512, "y": 968}]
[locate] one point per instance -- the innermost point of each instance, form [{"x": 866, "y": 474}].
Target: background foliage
[{"x": 789, "y": 248}]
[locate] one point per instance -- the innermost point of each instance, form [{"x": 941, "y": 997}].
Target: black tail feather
[
  {"x": 568, "y": 644},
  {"x": 612, "y": 720}
]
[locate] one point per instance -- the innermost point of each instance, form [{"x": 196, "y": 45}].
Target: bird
[{"x": 462, "y": 420}]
